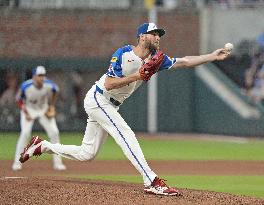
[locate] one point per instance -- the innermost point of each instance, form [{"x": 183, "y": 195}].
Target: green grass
[
  {"x": 238, "y": 185},
  {"x": 158, "y": 149}
]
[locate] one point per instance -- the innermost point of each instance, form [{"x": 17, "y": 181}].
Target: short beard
[{"x": 150, "y": 46}]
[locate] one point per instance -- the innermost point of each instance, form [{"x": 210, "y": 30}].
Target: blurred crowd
[
  {"x": 236, "y": 3},
  {"x": 124, "y": 4},
  {"x": 9, "y": 86},
  {"x": 254, "y": 75},
  {"x": 9, "y": 83}
]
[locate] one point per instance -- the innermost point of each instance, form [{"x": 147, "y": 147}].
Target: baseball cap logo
[{"x": 152, "y": 26}]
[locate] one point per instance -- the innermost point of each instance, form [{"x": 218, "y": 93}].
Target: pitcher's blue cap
[
  {"x": 148, "y": 27},
  {"x": 39, "y": 70}
]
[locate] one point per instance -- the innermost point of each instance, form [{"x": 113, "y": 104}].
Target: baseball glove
[
  {"x": 51, "y": 112},
  {"x": 151, "y": 67}
]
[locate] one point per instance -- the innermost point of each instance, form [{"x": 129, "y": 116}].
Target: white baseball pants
[
  {"x": 49, "y": 126},
  {"x": 103, "y": 119}
]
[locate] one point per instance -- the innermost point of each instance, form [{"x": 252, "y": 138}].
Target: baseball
[{"x": 229, "y": 46}]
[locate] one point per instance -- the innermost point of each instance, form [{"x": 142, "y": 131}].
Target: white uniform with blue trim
[
  {"x": 102, "y": 109},
  {"x": 125, "y": 62},
  {"x": 36, "y": 99},
  {"x": 36, "y": 102}
]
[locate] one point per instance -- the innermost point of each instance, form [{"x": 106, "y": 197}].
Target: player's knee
[
  {"x": 85, "y": 154},
  {"x": 92, "y": 156},
  {"x": 86, "y": 157}
]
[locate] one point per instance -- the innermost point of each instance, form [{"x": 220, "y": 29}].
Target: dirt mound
[
  {"x": 37, "y": 183},
  {"x": 59, "y": 190}
]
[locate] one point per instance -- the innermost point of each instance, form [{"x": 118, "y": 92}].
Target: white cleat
[
  {"x": 59, "y": 167},
  {"x": 16, "y": 166}
]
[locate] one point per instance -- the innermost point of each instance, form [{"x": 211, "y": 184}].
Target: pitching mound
[
  {"x": 38, "y": 183},
  {"x": 48, "y": 190}
]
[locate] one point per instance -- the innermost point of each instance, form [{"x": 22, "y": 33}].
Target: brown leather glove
[
  {"x": 51, "y": 112},
  {"x": 151, "y": 67}
]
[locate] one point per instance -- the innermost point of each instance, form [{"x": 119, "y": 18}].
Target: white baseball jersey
[
  {"x": 104, "y": 117},
  {"x": 36, "y": 99},
  {"x": 123, "y": 63}
]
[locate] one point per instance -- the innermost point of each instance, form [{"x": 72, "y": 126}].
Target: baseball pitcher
[
  {"x": 33, "y": 100},
  {"x": 129, "y": 67}
]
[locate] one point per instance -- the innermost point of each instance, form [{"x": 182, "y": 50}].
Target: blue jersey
[{"x": 123, "y": 63}]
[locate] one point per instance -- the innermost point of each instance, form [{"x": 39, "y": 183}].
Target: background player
[
  {"x": 104, "y": 98},
  {"x": 36, "y": 99}
]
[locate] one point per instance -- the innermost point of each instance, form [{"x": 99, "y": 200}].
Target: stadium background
[{"x": 74, "y": 41}]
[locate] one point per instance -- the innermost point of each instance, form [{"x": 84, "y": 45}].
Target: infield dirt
[{"x": 38, "y": 183}]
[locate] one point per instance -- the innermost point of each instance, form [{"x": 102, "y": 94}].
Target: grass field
[{"x": 165, "y": 149}]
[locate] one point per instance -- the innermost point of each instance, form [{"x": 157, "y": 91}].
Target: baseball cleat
[
  {"x": 159, "y": 187},
  {"x": 32, "y": 149},
  {"x": 59, "y": 167}
]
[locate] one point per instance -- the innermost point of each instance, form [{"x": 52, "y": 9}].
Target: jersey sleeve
[
  {"x": 115, "y": 69},
  {"x": 54, "y": 87},
  {"x": 21, "y": 94},
  {"x": 167, "y": 63}
]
